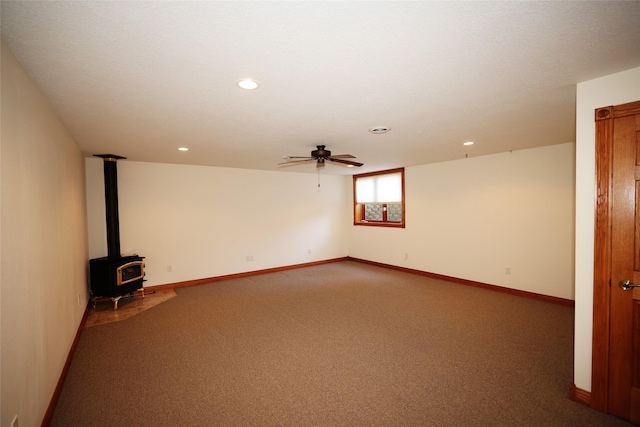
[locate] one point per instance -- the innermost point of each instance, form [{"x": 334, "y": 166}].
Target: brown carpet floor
[{"x": 341, "y": 344}]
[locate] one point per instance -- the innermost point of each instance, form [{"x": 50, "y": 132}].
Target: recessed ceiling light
[
  {"x": 379, "y": 129},
  {"x": 247, "y": 84},
  {"x": 468, "y": 143},
  {"x": 183, "y": 149}
]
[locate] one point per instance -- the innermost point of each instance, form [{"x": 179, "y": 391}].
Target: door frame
[{"x": 602, "y": 251}]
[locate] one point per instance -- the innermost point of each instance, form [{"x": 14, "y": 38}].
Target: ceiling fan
[{"x": 320, "y": 155}]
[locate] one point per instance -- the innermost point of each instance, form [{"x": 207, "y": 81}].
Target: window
[{"x": 378, "y": 198}]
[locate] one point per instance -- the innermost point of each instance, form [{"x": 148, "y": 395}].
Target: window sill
[{"x": 380, "y": 224}]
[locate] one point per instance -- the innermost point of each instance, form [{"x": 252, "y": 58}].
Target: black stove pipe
[{"x": 111, "y": 203}]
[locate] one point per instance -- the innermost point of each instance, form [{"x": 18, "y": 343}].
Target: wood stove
[{"x": 114, "y": 276}]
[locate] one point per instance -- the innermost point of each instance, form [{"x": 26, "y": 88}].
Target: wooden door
[{"x": 616, "y": 299}]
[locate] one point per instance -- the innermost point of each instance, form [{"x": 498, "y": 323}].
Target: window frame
[{"x": 358, "y": 208}]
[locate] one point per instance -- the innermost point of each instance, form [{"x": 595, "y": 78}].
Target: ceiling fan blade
[
  {"x": 298, "y": 157},
  {"x": 346, "y": 162},
  {"x": 343, "y": 156},
  {"x": 297, "y": 161}
]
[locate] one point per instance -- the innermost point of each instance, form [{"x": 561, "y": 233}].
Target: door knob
[{"x": 626, "y": 285}]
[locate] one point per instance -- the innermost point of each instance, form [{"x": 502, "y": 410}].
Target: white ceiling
[{"x": 140, "y": 79}]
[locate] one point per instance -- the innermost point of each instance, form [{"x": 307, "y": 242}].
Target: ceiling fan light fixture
[
  {"x": 320, "y": 155},
  {"x": 183, "y": 149},
  {"x": 247, "y": 84},
  {"x": 379, "y": 129}
]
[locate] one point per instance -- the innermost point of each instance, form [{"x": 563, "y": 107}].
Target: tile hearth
[{"x": 127, "y": 307}]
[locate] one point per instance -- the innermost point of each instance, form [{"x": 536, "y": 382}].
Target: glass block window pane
[
  {"x": 373, "y": 212},
  {"x": 394, "y": 212}
]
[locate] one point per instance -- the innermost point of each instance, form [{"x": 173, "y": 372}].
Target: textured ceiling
[{"x": 140, "y": 79}]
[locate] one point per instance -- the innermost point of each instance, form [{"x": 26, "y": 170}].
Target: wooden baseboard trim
[
  {"x": 171, "y": 286},
  {"x": 48, "y": 415},
  {"x": 517, "y": 292},
  {"x": 578, "y": 395},
  {"x": 526, "y": 294}
]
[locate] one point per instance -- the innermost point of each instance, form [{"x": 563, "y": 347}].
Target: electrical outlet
[
  {"x": 14, "y": 422},
  {"x": 249, "y": 258},
  {"x": 169, "y": 269},
  {"x": 406, "y": 256},
  {"x": 309, "y": 251},
  {"x": 507, "y": 270}
]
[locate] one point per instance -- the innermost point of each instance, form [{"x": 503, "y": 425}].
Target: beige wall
[
  {"x": 201, "y": 221},
  {"x": 473, "y": 218},
  {"x": 43, "y": 243},
  {"x": 614, "y": 89}
]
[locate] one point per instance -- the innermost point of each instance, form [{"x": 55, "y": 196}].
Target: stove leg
[{"x": 115, "y": 302}]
